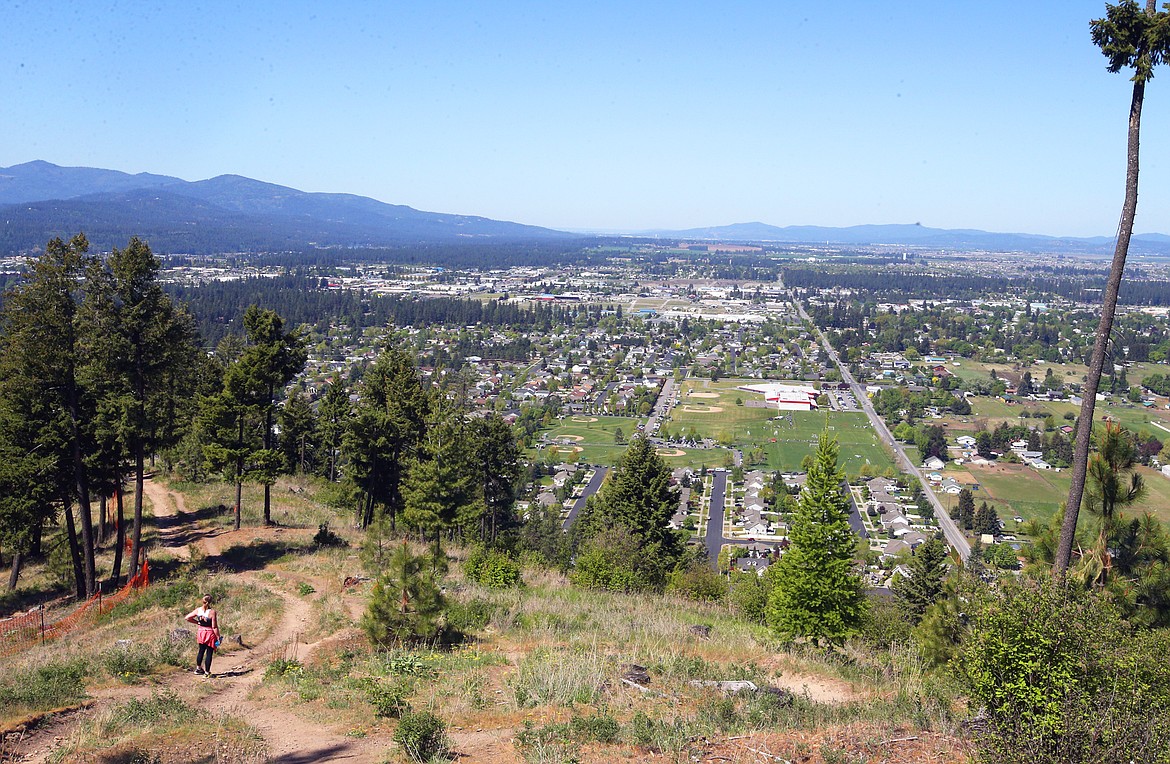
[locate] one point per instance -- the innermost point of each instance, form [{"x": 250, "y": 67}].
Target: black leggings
[{"x": 209, "y": 651}]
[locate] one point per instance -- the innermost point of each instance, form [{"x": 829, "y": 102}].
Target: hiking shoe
[{"x": 199, "y": 670}]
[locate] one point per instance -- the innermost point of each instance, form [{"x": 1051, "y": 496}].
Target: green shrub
[
  {"x": 698, "y": 581},
  {"x": 402, "y": 663},
  {"x": 561, "y": 743},
  {"x": 161, "y": 707},
  {"x": 1062, "y": 679},
  {"x": 387, "y": 698},
  {"x": 600, "y": 728},
  {"x": 421, "y": 735},
  {"x": 305, "y": 589},
  {"x": 492, "y": 568},
  {"x": 127, "y": 662},
  {"x": 660, "y": 736},
  {"x": 327, "y": 538},
  {"x": 43, "y": 687},
  {"x": 284, "y": 668},
  {"x": 471, "y": 616},
  {"x": 886, "y": 622}
]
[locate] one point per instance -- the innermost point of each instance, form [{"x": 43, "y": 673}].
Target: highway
[{"x": 951, "y": 532}]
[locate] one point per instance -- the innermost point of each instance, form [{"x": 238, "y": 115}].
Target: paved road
[
  {"x": 855, "y": 521},
  {"x": 590, "y": 489},
  {"x": 714, "y": 538},
  {"x": 951, "y": 531}
]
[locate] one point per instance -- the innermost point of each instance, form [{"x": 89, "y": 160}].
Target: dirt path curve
[{"x": 290, "y": 739}]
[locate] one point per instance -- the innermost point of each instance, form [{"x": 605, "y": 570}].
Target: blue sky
[{"x": 609, "y": 115}]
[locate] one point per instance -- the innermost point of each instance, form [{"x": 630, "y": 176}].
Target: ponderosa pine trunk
[
  {"x": 1083, "y": 441},
  {"x": 74, "y": 551},
  {"x": 139, "y": 488},
  {"x": 14, "y": 573},
  {"x": 119, "y": 536}
]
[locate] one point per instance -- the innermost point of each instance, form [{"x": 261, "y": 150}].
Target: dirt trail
[{"x": 290, "y": 739}]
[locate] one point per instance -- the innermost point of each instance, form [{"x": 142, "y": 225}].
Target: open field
[
  {"x": 1039, "y": 494},
  {"x": 746, "y": 427},
  {"x": 590, "y": 440}
]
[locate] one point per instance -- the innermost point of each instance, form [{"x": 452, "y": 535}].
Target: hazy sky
[{"x": 616, "y": 115}]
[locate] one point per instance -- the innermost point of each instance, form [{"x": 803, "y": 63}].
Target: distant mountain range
[
  {"x": 917, "y": 235},
  {"x": 230, "y": 213}
]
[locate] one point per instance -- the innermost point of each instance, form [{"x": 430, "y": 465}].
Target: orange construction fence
[{"x": 24, "y": 631}]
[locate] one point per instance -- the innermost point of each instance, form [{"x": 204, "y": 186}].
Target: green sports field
[
  {"x": 710, "y": 409},
  {"x": 590, "y": 440}
]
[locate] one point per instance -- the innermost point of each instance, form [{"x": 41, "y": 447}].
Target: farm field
[
  {"x": 992, "y": 411},
  {"x": 1039, "y": 494}
]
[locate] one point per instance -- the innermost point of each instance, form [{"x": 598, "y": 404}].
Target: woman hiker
[{"x": 207, "y": 620}]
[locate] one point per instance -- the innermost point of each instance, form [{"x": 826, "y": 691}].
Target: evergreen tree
[
  {"x": 439, "y": 485},
  {"x": 924, "y": 585},
  {"x": 384, "y": 433},
  {"x": 42, "y": 356},
  {"x": 818, "y": 594},
  {"x": 298, "y": 428},
  {"x": 986, "y": 520},
  {"x": 963, "y": 512},
  {"x": 497, "y": 467},
  {"x": 270, "y": 360},
  {"x": 638, "y": 499},
  {"x": 406, "y": 604},
  {"x": 1129, "y": 38},
  {"x": 143, "y": 349},
  {"x": 333, "y": 414}
]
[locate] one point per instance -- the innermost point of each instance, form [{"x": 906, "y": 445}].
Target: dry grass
[
  {"x": 546, "y": 653},
  {"x": 165, "y": 729}
]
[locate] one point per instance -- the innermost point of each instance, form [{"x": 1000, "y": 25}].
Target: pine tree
[
  {"x": 333, "y": 414},
  {"x": 384, "y": 433},
  {"x": 298, "y": 428},
  {"x": 986, "y": 520},
  {"x": 406, "y": 604},
  {"x": 924, "y": 585},
  {"x": 270, "y": 360},
  {"x": 142, "y": 352},
  {"x": 818, "y": 594},
  {"x": 964, "y": 511},
  {"x": 42, "y": 375},
  {"x": 1129, "y": 38},
  {"x": 497, "y": 468}
]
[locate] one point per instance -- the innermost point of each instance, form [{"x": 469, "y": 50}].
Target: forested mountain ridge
[
  {"x": 229, "y": 213},
  {"x": 917, "y": 235}
]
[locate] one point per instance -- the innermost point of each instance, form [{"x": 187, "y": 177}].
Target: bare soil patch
[{"x": 703, "y": 409}]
